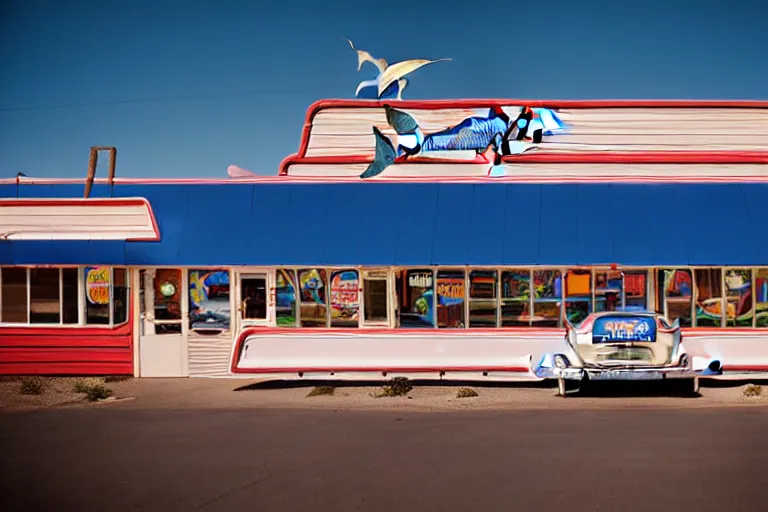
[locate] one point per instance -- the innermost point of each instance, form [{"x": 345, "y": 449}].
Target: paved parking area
[{"x": 147, "y": 454}]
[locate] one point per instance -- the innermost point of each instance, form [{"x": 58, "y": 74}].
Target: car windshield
[{"x": 624, "y": 328}]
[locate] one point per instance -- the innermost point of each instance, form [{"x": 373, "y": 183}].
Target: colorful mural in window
[
  {"x": 709, "y": 298},
  {"x": 547, "y": 298},
  {"x": 416, "y": 287},
  {"x": 761, "y": 297},
  {"x": 676, "y": 295},
  {"x": 313, "y": 309},
  {"x": 345, "y": 298},
  {"x": 578, "y": 295},
  {"x": 285, "y": 296},
  {"x": 209, "y": 301},
  {"x": 515, "y": 298},
  {"x": 450, "y": 298},
  {"x": 738, "y": 293},
  {"x": 97, "y": 282},
  {"x": 608, "y": 290}
]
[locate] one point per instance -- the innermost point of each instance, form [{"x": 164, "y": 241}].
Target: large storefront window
[
  {"x": 608, "y": 290},
  {"x": 416, "y": 287},
  {"x": 44, "y": 296},
  {"x": 548, "y": 298},
  {"x": 738, "y": 289},
  {"x": 515, "y": 297},
  {"x": 51, "y": 296},
  {"x": 376, "y": 298},
  {"x": 14, "y": 297},
  {"x": 209, "y": 300},
  {"x": 675, "y": 292},
  {"x": 285, "y": 297},
  {"x": 709, "y": 297},
  {"x": 97, "y": 283},
  {"x": 483, "y": 300},
  {"x": 761, "y": 297},
  {"x": 450, "y": 298},
  {"x": 313, "y": 311},
  {"x": 345, "y": 298},
  {"x": 70, "y": 293},
  {"x": 578, "y": 295},
  {"x": 635, "y": 290}
]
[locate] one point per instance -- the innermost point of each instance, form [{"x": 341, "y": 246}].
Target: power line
[{"x": 172, "y": 98}]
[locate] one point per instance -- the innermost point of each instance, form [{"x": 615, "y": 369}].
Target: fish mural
[
  {"x": 495, "y": 135},
  {"x": 391, "y": 81}
]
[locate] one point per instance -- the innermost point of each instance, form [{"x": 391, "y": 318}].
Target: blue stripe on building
[{"x": 423, "y": 224}]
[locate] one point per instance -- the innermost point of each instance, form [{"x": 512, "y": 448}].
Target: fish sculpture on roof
[
  {"x": 391, "y": 80},
  {"x": 504, "y": 131}
]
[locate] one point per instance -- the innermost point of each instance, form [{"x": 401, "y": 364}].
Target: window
[
  {"x": 14, "y": 295},
  {"x": 285, "y": 296},
  {"x": 376, "y": 297},
  {"x": 166, "y": 287},
  {"x": 70, "y": 296},
  {"x": 209, "y": 300},
  {"x": 635, "y": 290},
  {"x": 761, "y": 297},
  {"x": 515, "y": 297},
  {"x": 415, "y": 287},
  {"x": 675, "y": 291},
  {"x": 450, "y": 298},
  {"x": 51, "y": 296},
  {"x": 313, "y": 300},
  {"x": 345, "y": 298},
  {"x": 119, "y": 296},
  {"x": 547, "y": 298},
  {"x": 608, "y": 288},
  {"x": 738, "y": 292},
  {"x": 483, "y": 300},
  {"x": 709, "y": 297},
  {"x": 578, "y": 295},
  {"x": 44, "y": 296},
  {"x": 97, "y": 282}
]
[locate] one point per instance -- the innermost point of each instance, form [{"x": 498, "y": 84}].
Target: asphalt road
[{"x": 105, "y": 458}]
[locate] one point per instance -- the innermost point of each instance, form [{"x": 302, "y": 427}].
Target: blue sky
[{"x": 186, "y": 88}]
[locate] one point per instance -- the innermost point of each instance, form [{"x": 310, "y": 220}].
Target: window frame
[{"x": 81, "y": 306}]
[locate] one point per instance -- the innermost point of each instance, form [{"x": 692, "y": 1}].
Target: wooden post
[{"x": 93, "y": 161}]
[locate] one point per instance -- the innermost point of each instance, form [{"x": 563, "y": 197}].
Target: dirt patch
[
  {"x": 426, "y": 397},
  {"x": 53, "y": 392}
]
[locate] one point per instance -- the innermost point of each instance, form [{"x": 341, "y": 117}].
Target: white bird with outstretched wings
[{"x": 389, "y": 74}]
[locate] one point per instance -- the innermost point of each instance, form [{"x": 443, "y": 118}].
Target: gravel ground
[{"x": 239, "y": 393}]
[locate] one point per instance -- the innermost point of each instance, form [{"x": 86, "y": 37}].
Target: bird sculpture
[{"x": 391, "y": 79}]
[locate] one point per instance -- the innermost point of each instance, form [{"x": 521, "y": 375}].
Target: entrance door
[
  {"x": 162, "y": 338},
  {"x": 377, "y": 302},
  {"x": 253, "y": 308}
]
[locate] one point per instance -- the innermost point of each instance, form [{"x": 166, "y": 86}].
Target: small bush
[
  {"x": 97, "y": 392},
  {"x": 466, "y": 393},
  {"x": 80, "y": 386},
  {"x": 32, "y": 386},
  {"x": 399, "y": 386},
  {"x": 753, "y": 390},
  {"x": 322, "y": 390}
]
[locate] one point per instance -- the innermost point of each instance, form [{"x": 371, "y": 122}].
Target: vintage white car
[{"x": 624, "y": 345}]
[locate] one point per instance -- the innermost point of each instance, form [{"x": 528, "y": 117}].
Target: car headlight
[
  {"x": 685, "y": 361},
  {"x": 561, "y": 362}
]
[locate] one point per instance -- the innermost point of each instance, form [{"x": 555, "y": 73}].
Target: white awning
[{"x": 77, "y": 219}]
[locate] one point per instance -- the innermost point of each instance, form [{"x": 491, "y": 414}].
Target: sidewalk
[{"x": 243, "y": 393}]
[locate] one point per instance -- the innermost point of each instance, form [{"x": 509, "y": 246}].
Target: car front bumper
[{"x": 602, "y": 374}]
